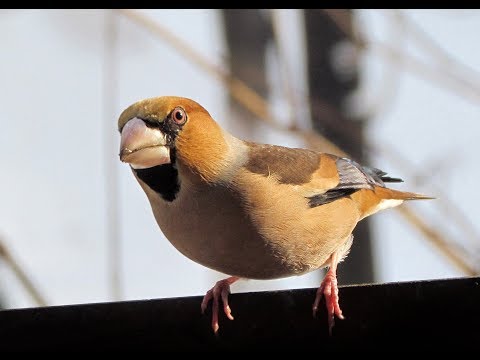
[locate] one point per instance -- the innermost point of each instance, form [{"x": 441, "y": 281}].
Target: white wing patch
[{"x": 387, "y": 203}]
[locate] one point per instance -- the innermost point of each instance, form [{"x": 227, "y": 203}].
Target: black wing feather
[{"x": 352, "y": 177}]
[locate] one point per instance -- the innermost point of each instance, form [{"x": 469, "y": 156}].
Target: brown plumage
[{"x": 245, "y": 209}]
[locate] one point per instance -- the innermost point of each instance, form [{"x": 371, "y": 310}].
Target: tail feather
[
  {"x": 386, "y": 193},
  {"x": 378, "y": 174},
  {"x": 383, "y": 198},
  {"x": 390, "y": 179}
]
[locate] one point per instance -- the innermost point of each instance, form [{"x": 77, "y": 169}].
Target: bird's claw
[
  {"x": 221, "y": 290},
  {"x": 329, "y": 288}
]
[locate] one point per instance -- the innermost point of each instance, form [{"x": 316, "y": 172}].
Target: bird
[{"x": 246, "y": 209}]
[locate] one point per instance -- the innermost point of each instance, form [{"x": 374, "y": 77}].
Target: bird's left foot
[
  {"x": 329, "y": 288},
  {"x": 219, "y": 291}
]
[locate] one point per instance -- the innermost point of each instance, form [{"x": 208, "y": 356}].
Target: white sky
[{"x": 54, "y": 102}]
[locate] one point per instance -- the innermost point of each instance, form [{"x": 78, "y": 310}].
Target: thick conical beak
[{"x": 142, "y": 146}]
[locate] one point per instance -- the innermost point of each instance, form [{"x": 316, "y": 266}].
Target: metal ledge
[{"x": 421, "y": 315}]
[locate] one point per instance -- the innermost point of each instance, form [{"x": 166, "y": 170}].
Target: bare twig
[
  {"x": 448, "y": 205},
  {"x": 111, "y": 174},
  {"x": 432, "y": 48},
  {"x": 438, "y": 240},
  {"x": 246, "y": 96},
  {"x": 238, "y": 89},
  {"x": 338, "y": 18},
  {"x": 21, "y": 275},
  {"x": 286, "y": 74},
  {"x": 386, "y": 89},
  {"x": 458, "y": 84}
]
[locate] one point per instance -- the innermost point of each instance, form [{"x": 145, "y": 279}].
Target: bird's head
[
  {"x": 151, "y": 128},
  {"x": 169, "y": 129}
]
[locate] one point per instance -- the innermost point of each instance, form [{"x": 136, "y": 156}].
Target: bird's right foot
[{"x": 221, "y": 290}]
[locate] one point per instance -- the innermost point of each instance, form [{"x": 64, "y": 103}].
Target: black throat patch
[{"x": 162, "y": 179}]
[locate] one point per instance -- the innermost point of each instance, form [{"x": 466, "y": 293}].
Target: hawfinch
[{"x": 245, "y": 209}]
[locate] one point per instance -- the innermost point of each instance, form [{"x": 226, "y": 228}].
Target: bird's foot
[
  {"x": 219, "y": 291},
  {"x": 329, "y": 288}
]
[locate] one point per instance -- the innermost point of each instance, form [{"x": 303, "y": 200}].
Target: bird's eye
[{"x": 179, "y": 116}]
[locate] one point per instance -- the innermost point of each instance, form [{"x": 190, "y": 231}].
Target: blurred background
[{"x": 394, "y": 89}]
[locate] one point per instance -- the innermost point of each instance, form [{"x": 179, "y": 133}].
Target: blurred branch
[
  {"x": 456, "y": 83},
  {"x": 285, "y": 73},
  {"x": 387, "y": 87},
  {"x": 21, "y": 275},
  {"x": 238, "y": 89},
  {"x": 112, "y": 215},
  {"x": 256, "y": 104},
  {"x": 436, "y": 52},
  {"x": 338, "y": 18},
  {"x": 259, "y": 107},
  {"x": 438, "y": 240},
  {"x": 447, "y": 204}
]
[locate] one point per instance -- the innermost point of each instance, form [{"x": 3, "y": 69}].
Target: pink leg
[
  {"x": 329, "y": 288},
  {"x": 220, "y": 290}
]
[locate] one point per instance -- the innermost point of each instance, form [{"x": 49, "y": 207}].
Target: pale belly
[{"x": 212, "y": 228}]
